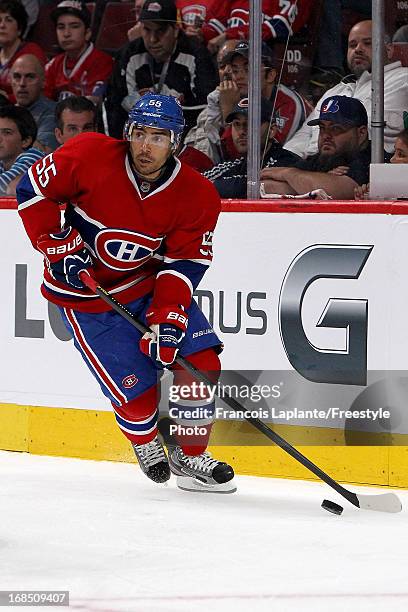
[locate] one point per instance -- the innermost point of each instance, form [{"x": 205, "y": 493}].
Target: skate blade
[{"x": 186, "y": 483}]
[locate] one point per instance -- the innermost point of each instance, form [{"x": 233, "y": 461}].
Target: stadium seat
[
  {"x": 396, "y": 15},
  {"x": 116, "y": 20},
  {"x": 300, "y": 52},
  {"x": 43, "y": 31}
]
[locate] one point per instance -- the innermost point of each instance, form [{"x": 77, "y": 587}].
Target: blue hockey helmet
[{"x": 157, "y": 111}]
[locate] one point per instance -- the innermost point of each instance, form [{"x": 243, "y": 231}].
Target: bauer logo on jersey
[
  {"x": 125, "y": 250},
  {"x": 130, "y": 381}
]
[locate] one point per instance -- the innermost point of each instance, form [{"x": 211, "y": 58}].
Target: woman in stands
[
  {"x": 13, "y": 24},
  {"x": 400, "y": 156},
  {"x": 401, "y": 149}
]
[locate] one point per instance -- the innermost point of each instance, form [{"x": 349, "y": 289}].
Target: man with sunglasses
[
  {"x": 142, "y": 223},
  {"x": 343, "y": 158}
]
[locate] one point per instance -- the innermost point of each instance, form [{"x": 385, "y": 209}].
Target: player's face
[
  {"x": 72, "y": 34},
  {"x": 26, "y": 81},
  {"x": 150, "y": 148},
  {"x": 240, "y": 133},
  {"x": 9, "y": 31},
  {"x": 359, "y": 53},
  {"x": 11, "y": 143},
  {"x": 159, "y": 39},
  {"x": 400, "y": 153},
  {"x": 74, "y": 123}
]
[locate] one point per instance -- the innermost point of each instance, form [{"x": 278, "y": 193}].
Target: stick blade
[{"x": 386, "y": 502}]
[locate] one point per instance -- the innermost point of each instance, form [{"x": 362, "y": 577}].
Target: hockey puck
[{"x": 332, "y": 507}]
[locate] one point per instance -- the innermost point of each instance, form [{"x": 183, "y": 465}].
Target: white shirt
[{"x": 304, "y": 142}]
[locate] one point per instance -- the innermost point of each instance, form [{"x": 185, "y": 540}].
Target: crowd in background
[{"x": 62, "y": 73}]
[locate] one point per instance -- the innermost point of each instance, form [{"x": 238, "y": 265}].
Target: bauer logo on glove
[
  {"x": 66, "y": 256},
  {"x": 62, "y": 249},
  {"x": 168, "y": 327}
]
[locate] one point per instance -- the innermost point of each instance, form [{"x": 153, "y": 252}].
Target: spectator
[
  {"x": 74, "y": 115},
  {"x": 329, "y": 56},
  {"x": 13, "y": 23},
  {"x": 343, "y": 159},
  {"x": 18, "y": 132},
  {"x": 230, "y": 177},
  {"x": 27, "y": 82},
  {"x": 136, "y": 30},
  {"x": 81, "y": 70},
  {"x": 400, "y": 156},
  {"x": 230, "y": 19},
  {"x": 164, "y": 60},
  {"x": 290, "y": 109},
  {"x": 401, "y": 35},
  {"x": 358, "y": 85},
  {"x": 194, "y": 14},
  {"x": 205, "y": 135}
]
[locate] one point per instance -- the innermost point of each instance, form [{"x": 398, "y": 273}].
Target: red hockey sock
[
  {"x": 193, "y": 434},
  {"x": 137, "y": 419}
]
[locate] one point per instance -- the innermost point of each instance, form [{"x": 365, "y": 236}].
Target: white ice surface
[{"x": 118, "y": 542}]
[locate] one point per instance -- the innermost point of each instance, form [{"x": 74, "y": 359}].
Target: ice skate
[
  {"x": 201, "y": 473},
  {"x": 153, "y": 460}
]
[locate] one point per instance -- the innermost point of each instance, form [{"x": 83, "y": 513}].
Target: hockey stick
[{"x": 384, "y": 502}]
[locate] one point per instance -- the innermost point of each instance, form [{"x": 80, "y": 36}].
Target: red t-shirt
[{"x": 86, "y": 75}]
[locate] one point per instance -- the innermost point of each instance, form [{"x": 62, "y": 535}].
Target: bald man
[
  {"x": 358, "y": 85},
  {"x": 27, "y": 82}
]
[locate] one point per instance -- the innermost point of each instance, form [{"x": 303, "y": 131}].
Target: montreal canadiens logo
[
  {"x": 124, "y": 250},
  {"x": 129, "y": 381}
]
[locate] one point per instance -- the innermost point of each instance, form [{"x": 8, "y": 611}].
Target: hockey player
[{"x": 131, "y": 222}]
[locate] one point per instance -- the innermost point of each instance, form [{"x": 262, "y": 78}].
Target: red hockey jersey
[
  {"x": 280, "y": 18},
  {"x": 86, "y": 76},
  {"x": 142, "y": 236}
]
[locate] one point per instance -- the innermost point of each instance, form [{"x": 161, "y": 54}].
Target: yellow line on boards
[{"x": 88, "y": 434}]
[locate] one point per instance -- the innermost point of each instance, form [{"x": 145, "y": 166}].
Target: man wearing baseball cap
[
  {"x": 81, "y": 69},
  {"x": 163, "y": 60},
  {"x": 290, "y": 108},
  {"x": 344, "y": 154},
  {"x": 230, "y": 177}
]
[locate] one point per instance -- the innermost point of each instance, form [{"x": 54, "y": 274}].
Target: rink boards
[{"x": 313, "y": 294}]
